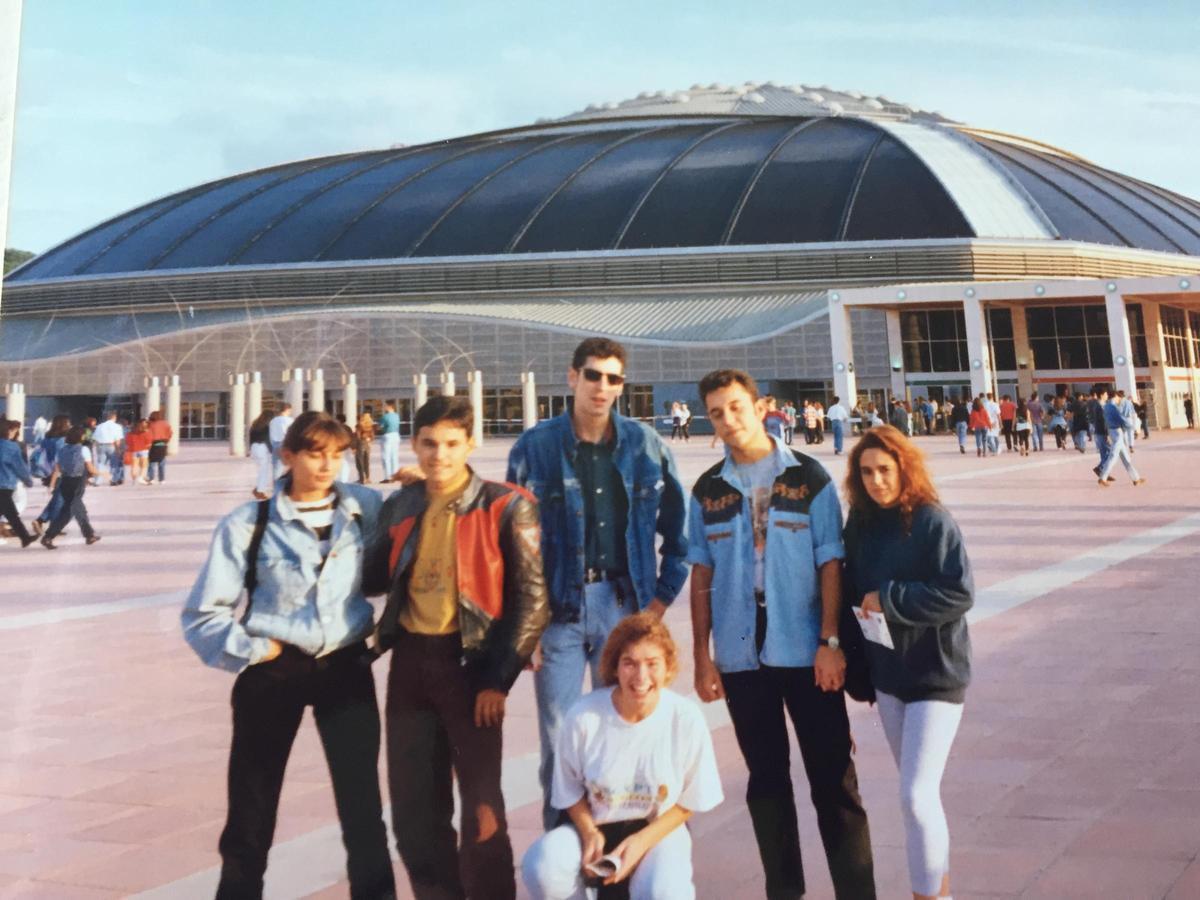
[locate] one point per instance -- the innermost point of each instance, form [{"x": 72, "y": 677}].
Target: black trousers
[
  {"x": 430, "y": 732},
  {"x": 757, "y": 701},
  {"x": 362, "y": 461},
  {"x": 268, "y": 704},
  {"x": 72, "y": 488},
  {"x": 1006, "y": 428},
  {"x": 8, "y": 510}
]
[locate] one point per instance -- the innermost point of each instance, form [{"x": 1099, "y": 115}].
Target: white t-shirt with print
[{"x": 635, "y": 770}]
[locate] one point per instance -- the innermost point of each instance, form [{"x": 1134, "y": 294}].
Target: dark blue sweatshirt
[{"x": 925, "y": 589}]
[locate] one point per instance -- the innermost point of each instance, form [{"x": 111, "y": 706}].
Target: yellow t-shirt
[{"x": 433, "y": 586}]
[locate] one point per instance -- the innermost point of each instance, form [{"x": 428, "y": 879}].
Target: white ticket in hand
[
  {"x": 605, "y": 866},
  {"x": 874, "y": 627}
]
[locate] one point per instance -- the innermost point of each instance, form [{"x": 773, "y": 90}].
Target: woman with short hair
[
  {"x": 905, "y": 560},
  {"x": 616, "y": 741}
]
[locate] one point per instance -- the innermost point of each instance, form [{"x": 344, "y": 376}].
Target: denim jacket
[
  {"x": 317, "y": 608},
  {"x": 543, "y": 461},
  {"x": 13, "y": 467},
  {"x": 804, "y": 531}
]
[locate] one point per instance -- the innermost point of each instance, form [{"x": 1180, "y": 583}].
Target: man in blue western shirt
[
  {"x": 606, "y": 485},
  {"x": 765, "y": 543}
]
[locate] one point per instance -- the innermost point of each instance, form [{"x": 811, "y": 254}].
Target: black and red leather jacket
[{"x": 502, "y": 602}]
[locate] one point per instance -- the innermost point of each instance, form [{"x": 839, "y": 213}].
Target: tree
[{"x": 14, "y": 258}]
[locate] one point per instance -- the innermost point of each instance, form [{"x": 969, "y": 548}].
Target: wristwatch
[{"x": 831, "y": 642}]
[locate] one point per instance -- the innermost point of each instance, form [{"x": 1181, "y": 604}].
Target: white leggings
[
  {"x": 264, "y": 482},
  {"x": 920, "y": 735},
  {"x": 551, "y": 868}
]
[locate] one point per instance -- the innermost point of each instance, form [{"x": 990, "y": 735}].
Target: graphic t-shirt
[
  {"x": 635, "y": 770},
  {"x": 756, "y": 480},
  {"x": 433, "y": 586}
]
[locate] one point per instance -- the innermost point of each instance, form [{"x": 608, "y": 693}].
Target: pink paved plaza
[{"x": 1074, "y": 774}]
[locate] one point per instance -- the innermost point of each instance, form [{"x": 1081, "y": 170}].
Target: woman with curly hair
[
  {"x": 905, "y": 559},
  {"x": 634, "y": 761}
]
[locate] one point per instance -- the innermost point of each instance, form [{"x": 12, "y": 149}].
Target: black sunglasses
[{"x": 594, "y": 375}]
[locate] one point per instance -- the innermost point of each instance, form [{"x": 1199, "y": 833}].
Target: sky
[{"x": 124, "y": 101}]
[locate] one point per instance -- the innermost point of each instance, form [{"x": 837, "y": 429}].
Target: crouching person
[
  {"x": 461, "y": 560},
  {"x": 300, "y": 642},
  {"x": 634, "y": 761}
]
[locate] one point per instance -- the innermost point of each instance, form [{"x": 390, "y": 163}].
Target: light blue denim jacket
[
  {"x": 804, "y": 531},
  {"x": 298, "y": 601},
  {"x": 543, "y": 461},
  {"x": 13, "y": 467}
]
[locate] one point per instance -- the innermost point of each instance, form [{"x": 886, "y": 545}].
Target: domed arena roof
[{"x": 715, "y": 166}]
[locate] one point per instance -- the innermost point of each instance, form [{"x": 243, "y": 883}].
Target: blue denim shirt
[
  {"x": 804, "y": 531},
  {"x": 543, "y": 461},
  {"x": 317, "y": 608},
  {"x": 13, "y": 467}
]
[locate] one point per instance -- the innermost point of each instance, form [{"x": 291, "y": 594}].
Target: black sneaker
[
  {"x": 1096, "y": 469},
  {"x": 93, "y": 539},
  {"x": 47, "y": 543},
  {"x": 26, "y": 541}
]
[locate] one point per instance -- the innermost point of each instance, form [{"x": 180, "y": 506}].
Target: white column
[
  {"x": 529, "y": 410},
  {"x": 253, "y": 397},
  {"x": 316, "y": 390},
  {"x": 1024, "y": 352},
  {"x": 475, "y": 390},
  {"x": 14, "y": 403},
  {"x": 1164, "y": 411},
  {"x": 350, "y": 398},
  {"x": 153, "y": 399},
  {"x": 1122, "y": 344},
  {"x": 10, "y": 45},
  {"x": 845, "y": 383},
  {"x": 420, "y": 391},
  {"x": 978, "y": 357},
  {"x": 895, "y": 353},
  {"x": 293, "y": 389},
  {"x": 173, "y": 398},
  {"x": 237, "y": 415},
  {"x": 448, "y": 386}
]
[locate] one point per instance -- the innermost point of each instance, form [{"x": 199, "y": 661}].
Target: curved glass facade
[{"x": 640, "y": 183}]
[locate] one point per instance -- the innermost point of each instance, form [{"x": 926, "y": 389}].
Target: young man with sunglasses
[{"x": 606, "y": 485}]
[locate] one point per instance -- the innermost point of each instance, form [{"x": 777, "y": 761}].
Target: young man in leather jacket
[{"x": 461, "y": 561}]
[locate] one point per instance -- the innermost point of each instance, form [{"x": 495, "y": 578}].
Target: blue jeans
[
  {"x": 981, "y": 439},
  {"x": 1101, "y": 442},
  {"x": 390, "y": 446},
  {"x": 1038, "y": 433},
  {"x": 961, "y": 428},
  {"x": 993, "y": 443},
  {"x": 53, "y": 507},
  {"x": 104, "y": 456},
  {"x": 1080, "y": 440},
  {"x": 160, "y": 466},
  {"x": 568, "y": 650},
  {"x": 838, "y": 435},
  {"x": 1118, "y": 450}
]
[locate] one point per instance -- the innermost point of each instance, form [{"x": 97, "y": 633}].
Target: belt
[{"x": 592, "y": 576}]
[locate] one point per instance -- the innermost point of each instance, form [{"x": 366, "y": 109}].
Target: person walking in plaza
[
  {"x": 898, "y": 416},
  {"x": 960, "y": 421},
  {"x": 1189, "y": 412},
  {"x": 905, "y": 560},
  {"x": 790, "y": 420},
  {"x": 995, "y": 424},
  {"x": 299, "y": 642},
  {"x": 772, "y": 618},
  {"x": 389, "y": 437},
  {"x": 838, "y": 421},
  {"x": 364, "y": 433},
  {"x": 14, "y": 470},
  {"x": 1058, "y": 422},
  {"x": 929, "y": 411},
  {"x": 1142, "y": 411},
  {"x": 774, "y": 420},
  {"x": 980, "y": 424},
  {"x": 1116, "y": 422},
  {"x": 260, "y": 452},
  {"x": 160, "y": 437},
  {"x": 1008, "y": 414},
  {"x": 461, "y": 560},
  {"x": 685, "y": 421},
  {"x": 1098, "y": 424},
  {"x": 676, "y": 420},
  {"x": 72, "y": 467},
  {"x": 1036, "y": 418},
  {"x": 52, "y": 443},
  {"x": 1022, "y": 426},
  {"x": 1080, "y": 423},
  {"x": 108, "y": 440},
  {"x": 276, "y": 431},
  {"x": 137, "y": 445},
  {"x": 1129, "y": 418},
  {"x": 40, "y": 427},
  {"x": 607, "y": 488},
  {"x": 618, "y": 739}
]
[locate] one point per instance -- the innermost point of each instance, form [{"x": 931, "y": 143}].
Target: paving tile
[
  {"x": 1124, "y": 878},
  {"x": 1140, "y": 836}
]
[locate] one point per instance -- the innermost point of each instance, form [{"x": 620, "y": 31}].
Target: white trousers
[
  {"x": 264, "y": 481},
  {"x": 920, "y": 735},
  {"x": 390, "y": 446},
  {"x": 551, "y": 868}
]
